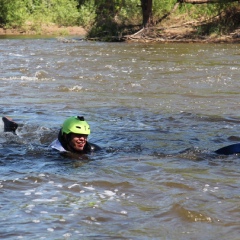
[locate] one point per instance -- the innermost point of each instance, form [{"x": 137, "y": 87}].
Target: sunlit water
[{"x": 158, "y": 111}]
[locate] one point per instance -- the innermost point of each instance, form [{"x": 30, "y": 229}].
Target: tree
[
  {"x": 146, "y": 6},
  {"x": 147, "y": 15}
]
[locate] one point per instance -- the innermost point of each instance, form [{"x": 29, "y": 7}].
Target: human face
[{"x": 77, "y": 141}]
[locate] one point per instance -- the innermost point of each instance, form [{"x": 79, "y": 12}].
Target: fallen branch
[{"x": 140, "y": 31}]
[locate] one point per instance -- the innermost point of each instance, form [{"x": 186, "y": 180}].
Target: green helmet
[{"x": 76, "y": 125}]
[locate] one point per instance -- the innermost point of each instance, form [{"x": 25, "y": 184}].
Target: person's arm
[
  {"x": 9, "y": 125},
  {"x": 228, "y": 150},
  {"x": 91, "y": 147}
]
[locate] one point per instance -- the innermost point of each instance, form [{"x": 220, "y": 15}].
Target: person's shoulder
[
  {"x": 56, "y": 145},
  {"x": 92, "y": 147}
]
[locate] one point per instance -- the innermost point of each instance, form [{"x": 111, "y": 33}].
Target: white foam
[
  {"x": 50, "y": 229},
  {"x": 15, "y": 55},
  {"x": 76, "y": 88},
  {"x": 90, "y": 188},
  {"x": 25, "y": 78},
  {"x": 1, "y": 126},
  {"x": 74, "y": 185},
  {"x": 44, "y": 200},
  {"x": 109, "y": 193},
  {"x": 36, "y": 221},
  {"x": 67, "y": 235}
]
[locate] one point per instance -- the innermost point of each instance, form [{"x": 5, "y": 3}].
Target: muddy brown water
[{"x": 158, "y": 111}]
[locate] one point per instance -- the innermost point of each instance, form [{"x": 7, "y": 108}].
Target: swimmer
[{"x": 72, "y": 136}]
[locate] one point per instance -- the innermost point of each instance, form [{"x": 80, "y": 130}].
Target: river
[{"x": 159, "y": 111}]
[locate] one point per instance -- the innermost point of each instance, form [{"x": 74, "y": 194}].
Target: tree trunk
[{"x": 147, "y": 13}]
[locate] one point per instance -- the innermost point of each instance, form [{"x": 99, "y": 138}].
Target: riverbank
[
  {"x": 46, "y": 30},
  {"x": 168, "y": 31},
  {"x": 186, "y": 32}
]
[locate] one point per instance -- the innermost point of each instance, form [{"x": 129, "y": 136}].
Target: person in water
[{"x": 72, "y": 137}]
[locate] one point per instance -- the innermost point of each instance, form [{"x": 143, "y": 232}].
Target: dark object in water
[
  {"x": 9, "y": 125},
  {"x": 228, "y": 150}
]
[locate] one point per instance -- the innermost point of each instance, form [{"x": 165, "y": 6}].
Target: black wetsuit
[{"x": 9, "y": 125}]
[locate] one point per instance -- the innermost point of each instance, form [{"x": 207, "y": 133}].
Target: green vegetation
[
  {"x": 228, "y": 19},
  {"x": 112, "y": 17},
  {"x": 217, "y": 19},
  {"x": 87, "y": 14},
  {"x": 17, "y": 13}
]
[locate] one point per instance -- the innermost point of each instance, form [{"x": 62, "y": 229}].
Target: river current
[{"x": 159, "y": 111}]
